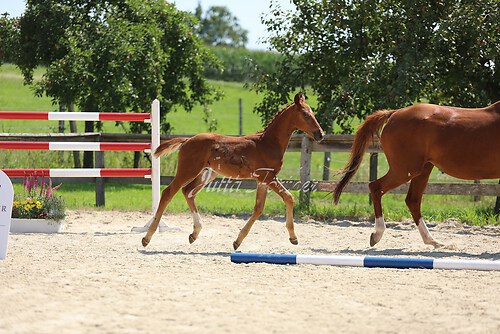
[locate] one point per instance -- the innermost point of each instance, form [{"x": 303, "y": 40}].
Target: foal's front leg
[
  {"x": 257, "y": 211},
  {"x": 287, "y": 197}
]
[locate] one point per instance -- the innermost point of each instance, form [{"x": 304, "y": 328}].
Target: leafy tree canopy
[
  {"x": 114, "y": 55},
  {"x": 362, "y": 55},
  {"x": 218, "y": 27},
  {"x": 7, "y": 38}
]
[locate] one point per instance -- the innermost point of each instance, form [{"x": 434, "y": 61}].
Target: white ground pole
[
  {"x": 6, "y": 199},
  {"x": 155, "y": 170}
]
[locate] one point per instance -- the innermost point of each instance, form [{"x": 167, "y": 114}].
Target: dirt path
[{"x": 96, "y": 278}]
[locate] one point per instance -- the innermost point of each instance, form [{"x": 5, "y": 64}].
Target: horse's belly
[{"x": 470, "y": 166}]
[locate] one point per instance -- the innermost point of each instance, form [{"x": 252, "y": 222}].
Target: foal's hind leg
[
  {"x": 257, "y": 211},
  {"x": 183, "y": 177},
  {"x": 378, "y": 188},
  {"x": 414, "y": 201},
  {"x": 190, "y": 192}
]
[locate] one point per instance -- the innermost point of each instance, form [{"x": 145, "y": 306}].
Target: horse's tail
[
  {"x": 169, "y": 146},
  {"x": 364, "y": 136}
]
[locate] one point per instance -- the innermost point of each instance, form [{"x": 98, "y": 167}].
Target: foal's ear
[{"x": 299, "y": 98}]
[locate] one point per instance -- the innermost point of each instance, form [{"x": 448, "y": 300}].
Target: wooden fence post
[
  {"x": 326, "y": 166},
  {"x": 305, "y": 172},
  {"x": 73, "y": 129},
  {"x": 497, "y": 204},
  {"x": 477, "y": 198},
  {"x": 99, "y": 181}
]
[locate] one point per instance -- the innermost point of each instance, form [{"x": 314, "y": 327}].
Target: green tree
[
  {"x": 115, "y": 55},
  {"x": 218, "y": 27},
  {"x": 8, "y": 36},
  {"x": 241, "y": 65},
  {"x": 363, "y": 55},
  {"x": 466, "y": 55}
]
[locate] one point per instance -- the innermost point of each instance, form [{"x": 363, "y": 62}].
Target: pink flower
[{"x": 42, "y": 186}]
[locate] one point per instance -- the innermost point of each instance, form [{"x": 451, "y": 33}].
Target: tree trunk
[{"x": 137, "y": 158}]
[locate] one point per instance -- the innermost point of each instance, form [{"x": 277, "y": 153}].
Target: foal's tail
[
  {"x": 366, "y": 131},
  {"x": 169, "y": 146}
]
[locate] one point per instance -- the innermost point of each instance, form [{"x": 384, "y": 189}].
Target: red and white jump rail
[
  {"x": 81, "y": 116},
  {"x": 153, "y": 172},
  {"x": 74, "y": 146},
  {"x": 80, "y": 172}
]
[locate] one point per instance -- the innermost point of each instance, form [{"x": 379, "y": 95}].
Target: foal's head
[{"x": 304, "y": 118}]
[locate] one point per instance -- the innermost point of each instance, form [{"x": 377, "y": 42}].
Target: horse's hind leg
[
  {"x": 257, "y": 211},
  {"x": 377, "y": 189},
  {"x": 190, "y": 192},
  {"x": 414, "y": 201}
]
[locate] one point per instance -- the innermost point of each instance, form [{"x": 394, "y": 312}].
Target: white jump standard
[{"x": 367, "y": 261}]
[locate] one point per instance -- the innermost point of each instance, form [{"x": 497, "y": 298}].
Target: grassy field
[{"x": 15, "y": 96}]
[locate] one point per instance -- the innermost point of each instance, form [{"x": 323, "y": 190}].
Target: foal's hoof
[
  {"x": 145, "y": 242},
  {"x": 373, "y": 241},
  {"x": 191, "y": 239},
  {"x": 235, "y": 245},
  {"x": 294, "y": 241}
]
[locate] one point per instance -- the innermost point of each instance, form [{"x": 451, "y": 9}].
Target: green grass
[
  {"x": 435, "y": 208},
  {"x": 15, "y": 96}
]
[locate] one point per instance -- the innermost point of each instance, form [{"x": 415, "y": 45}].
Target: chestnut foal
[{"x": 257, "y": 156}]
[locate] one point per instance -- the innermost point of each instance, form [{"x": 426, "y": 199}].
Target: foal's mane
[{"x": 274, "y": 117}]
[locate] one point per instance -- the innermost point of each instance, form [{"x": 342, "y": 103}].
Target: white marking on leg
[
  {"x": 379, "y": 229},
  {"x": 196, "y": 224},
  {"x": 380, "y": 225},
  {"x": 424, "y": 232},
  {"x": 196, "y": 219},
  {"x": 426, "y": 235}
]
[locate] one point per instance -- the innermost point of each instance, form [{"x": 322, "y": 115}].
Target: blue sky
[{"x": 248, "y": 13}]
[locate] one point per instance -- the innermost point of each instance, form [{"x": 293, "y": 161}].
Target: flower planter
[{"x": 22, "y": 225}]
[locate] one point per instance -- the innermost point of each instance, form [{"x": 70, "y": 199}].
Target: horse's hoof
[
  {"x": 145, "y": 242},
  {"x": 294, "y": 241},
  {"x": 373, "y": 242},
  {"x": 191, "y": 239},
  {"x": 235, "y": 245},
  {"x": 438, "y": 244}
]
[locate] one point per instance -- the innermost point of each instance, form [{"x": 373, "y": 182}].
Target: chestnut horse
[
  {"x": 258, "y": 156},
  {"x": 463, "y": 143}
]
